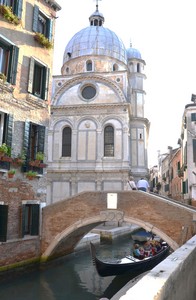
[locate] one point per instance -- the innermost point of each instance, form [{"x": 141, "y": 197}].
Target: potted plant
[
  {"x": 20, "y": 158},
  {"x": 6, "y": 12},
  {"x": 11, "y": 173},
  {"x": 3, "y": 77},
  {"x": 31, "y": 174},
  {"x": 39, "y": 156},
  {"x": 3, "y": 149},
  {"x": 43, "y": 40}
]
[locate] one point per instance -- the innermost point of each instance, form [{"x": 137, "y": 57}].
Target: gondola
[{"x": 128, "y": 264}]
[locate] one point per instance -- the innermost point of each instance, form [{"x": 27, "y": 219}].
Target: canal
[{"x": 70, "y": 278}]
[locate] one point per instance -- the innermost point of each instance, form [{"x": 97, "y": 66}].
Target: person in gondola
[
  {"x": 158, "y": 246},
  {"x": 137, "y": 253},
  {"x": 147, "y": 249}
]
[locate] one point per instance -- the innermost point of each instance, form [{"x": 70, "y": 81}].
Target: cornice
[{"x": 90, "y": 106}]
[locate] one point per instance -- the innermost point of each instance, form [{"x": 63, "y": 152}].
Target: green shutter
[
  {"x": 46, "y": 76},
  {"x": 3, "y": 222},
  {"x": 26, "y": 141},
  {"x": 194, "y": 150},
  {"x": 23, "y": 220},
  {"x": 185, "y": 154},
  {"x": 31, "y": 74},
  {"x": 35, "y": 219},
  {"x": 49, "y": 29},
  {"x": 18, "y": 8},
  {"x": 35, "y": 18},
  {"x": 8, "y": 129},
  {"x": 185, "y": 187},
  {"x": 13, "y": 63}
]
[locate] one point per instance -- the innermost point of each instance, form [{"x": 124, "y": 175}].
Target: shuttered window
[
  {"x": 30, "y": 219},
  {"x": 3, "y": 222},
  {"x": 34, "y": 140},
  {"x": 38, "y": 79},
  {"x": 8, "y": 60},
  {"x": 6, "y": 131},
  {"x": 109, "y": 141},
  {"x": 66, "y": 142},
  {"x": 42, "y": 24}
]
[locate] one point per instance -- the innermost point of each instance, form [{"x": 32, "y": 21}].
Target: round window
[{"x": 88, "y": 92}]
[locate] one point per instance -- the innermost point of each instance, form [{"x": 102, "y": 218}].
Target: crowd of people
[{"x": 150, "y": 248}]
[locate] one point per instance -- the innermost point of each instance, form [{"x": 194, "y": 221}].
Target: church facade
[{"x": 98, "y": 134}]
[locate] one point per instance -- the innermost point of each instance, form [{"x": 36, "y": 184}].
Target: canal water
[{"x": 70, "y": 278}]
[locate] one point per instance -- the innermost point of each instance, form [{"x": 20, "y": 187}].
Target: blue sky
[{"x": 164, "y": 32}]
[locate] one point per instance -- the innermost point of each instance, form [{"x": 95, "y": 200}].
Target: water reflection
[{"x": 72, "y": 278}]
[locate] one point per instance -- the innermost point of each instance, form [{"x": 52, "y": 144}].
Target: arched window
[
  {"x": 138, "y": 67},
  {"x": 131, "y": 67},
  {"x": 109, "y": 141},
  {"x": 89, "y": 65},
  {"x": 66, "y": 142},
  {"x": 115, "y": 67}
]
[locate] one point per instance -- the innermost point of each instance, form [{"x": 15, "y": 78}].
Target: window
[
  {"x": 88, "y": 92},
  {"x": 166, "y": 188},
  {"x": 6, "y": 125},
  {"x": 34, "y": 140},
  {"x": 115, "y": 67},
  {"x": 16, "y": 6},
  {"x": 185, "y": 187},
  {"x": 3, "y": 222},
  {"x": 8, "y": 59},
  {"x": 30, "y": 219},
  {"x": 38, "y": 79},
  {"x": 138, "y": 67},
  {"x": 109, "y": 141},
  {"x": 89, "y": 65},
  {"x": 193, "y": 117},
  {"x": 41, "y": 23},
  {"x": 66, "y": 142}
]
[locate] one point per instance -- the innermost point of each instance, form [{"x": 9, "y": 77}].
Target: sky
[{"x": 164, "y": 31}]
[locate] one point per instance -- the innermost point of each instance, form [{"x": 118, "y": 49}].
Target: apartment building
[
  {"x": 27, "y": 30},
  {"x": 176, "y": 170},
  {"x": 188, "y": 145}
]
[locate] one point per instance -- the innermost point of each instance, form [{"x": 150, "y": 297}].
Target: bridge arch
[{"x": 67, "y": 221}]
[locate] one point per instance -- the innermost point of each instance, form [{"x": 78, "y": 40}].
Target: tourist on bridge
[
  {"x": 143, "y": 185},
  {"x": 131, "y": 184}
]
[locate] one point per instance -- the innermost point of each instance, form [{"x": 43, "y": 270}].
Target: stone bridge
[{"x": 65, "y": 223}]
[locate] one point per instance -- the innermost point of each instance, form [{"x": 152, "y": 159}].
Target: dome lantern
[{"x": 96, "y": 19}]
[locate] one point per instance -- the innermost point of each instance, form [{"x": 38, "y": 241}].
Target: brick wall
[{"x": 18, "y": 251}]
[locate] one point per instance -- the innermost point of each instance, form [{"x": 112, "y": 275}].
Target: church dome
[
  {"x": 95, "y": 40},
  {"x": 133, "y": 53}
]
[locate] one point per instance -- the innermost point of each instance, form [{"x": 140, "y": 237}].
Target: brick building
[{"x": 27, "y": 31}]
